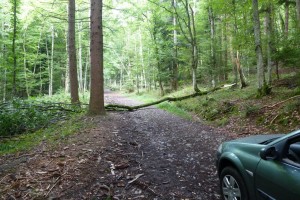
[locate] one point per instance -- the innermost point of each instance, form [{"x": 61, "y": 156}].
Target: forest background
[{"x": 152, "y": 47}]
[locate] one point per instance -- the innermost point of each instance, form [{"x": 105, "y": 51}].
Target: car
[{"x": 260, "y": 167}]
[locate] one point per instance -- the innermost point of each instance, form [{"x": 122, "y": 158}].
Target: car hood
[{"x": 259, "y": 139}]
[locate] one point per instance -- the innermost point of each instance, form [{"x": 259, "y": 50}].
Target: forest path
[{"x": 145, "y": 154}]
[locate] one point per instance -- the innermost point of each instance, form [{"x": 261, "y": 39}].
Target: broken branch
[{"x": 114, "y": 107}]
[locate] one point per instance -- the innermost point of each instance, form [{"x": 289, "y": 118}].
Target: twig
[
  {"x": 4, "y": 177},
  {"x": 274, "y": 119},
  {"x": 136, "y": 178},
  {"x": 55, "y": 183},
  {"x": 281, "y": 102}
]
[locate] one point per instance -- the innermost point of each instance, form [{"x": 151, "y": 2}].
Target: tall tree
[
  {"x": 261, "y": 83},
  {"x": 188, "y": 29},
  {"x": 96, "y": 105},
  {"x": 298, "y": 12},
  {"x": 72, "y": 54},
  {"x": 15, "y": 6}
]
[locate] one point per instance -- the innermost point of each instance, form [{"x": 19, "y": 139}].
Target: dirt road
[{"x": 146, "y": 154}]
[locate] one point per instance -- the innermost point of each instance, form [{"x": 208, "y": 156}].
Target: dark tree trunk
[
  {"x": 72, "y": 54},
  {"x": 96, "y": 106}
]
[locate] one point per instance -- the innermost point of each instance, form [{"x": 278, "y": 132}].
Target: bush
[{"x": 18, "y": 116}]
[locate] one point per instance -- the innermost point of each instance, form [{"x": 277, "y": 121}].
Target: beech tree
[{"x": 96, "y": 106}]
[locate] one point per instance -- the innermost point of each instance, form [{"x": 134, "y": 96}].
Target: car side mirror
[{"x": 269, "y": 153}]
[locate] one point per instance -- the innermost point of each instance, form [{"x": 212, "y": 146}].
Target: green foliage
[
  {"x": 251, "y": 110},
  {"x": 53, "y": 134},
  {"x": 20, "y": 116},
  {"x": 129, "y": 87}
]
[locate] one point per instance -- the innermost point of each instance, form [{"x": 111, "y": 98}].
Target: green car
[{"x": 261, "y": 167}]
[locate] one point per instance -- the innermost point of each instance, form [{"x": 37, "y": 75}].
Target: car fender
[{"x": 230, "y": 159}]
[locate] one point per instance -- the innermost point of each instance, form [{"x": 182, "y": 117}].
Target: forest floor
[{"x": 145, "y": 154}]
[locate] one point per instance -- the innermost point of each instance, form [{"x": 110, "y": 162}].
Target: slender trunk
[
  {"x": 175, "y": 64},
  {"x": 80, "y": 76},
  {"x": 37, "y": 52},
  {"x": 240, "y": 71},
  {"x": 193, "y": 36},
  {"x": 142, "y": 60},
  {"x": 286, "y": 24},
  {"x": 96, "y": 105},
  {"x": 41, "y": 80},
  {"x": 212, "y": 42},
  {"x": 258, "y": 48},
  {"x": 72, "y": 54},
  {"x": 225, "y": 52},
  {"x": 67, "y": 77},
  {"x": 24, "y": 64},
  {"x": 51, "y": 63},
  {"x": 269, "y": 46},
  {"x": 4, "y": 85},
  {"x": 14, "y": 47},
  {"x": 85, "y": 83},
  {"x": 298, "y": 12}
]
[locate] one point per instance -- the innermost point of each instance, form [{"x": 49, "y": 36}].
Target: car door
[{"x": 279, "y": 178}]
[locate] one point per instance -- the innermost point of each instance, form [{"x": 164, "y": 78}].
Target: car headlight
[{"x": 220, "y": 148}]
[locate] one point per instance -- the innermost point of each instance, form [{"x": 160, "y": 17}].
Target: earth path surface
[{"x": 146, "y": 154}]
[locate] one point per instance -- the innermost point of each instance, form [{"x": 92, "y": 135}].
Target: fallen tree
[{"x": 118, "y": 107}]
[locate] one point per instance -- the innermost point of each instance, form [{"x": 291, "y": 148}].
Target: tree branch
[{"x": 117, "y": 107}]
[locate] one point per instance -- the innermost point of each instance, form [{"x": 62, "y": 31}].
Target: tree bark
[
  {"x": 258, "y": 48},
  {"x": 286, "y": 24},
  {"x": 298, "y": 12},
  {"x": 175, "y": 64},
  {"x": 96, "y": 106},
  {"x": 24, "y": 64},
  {"x": 51, "y": 62},
  {"x": 240, "y": 71},
  {"x": 80, "y": 69},
  {"x": 72, "y": 54},
  {"x": 212, "y": 43},
  {"x": 14, "y": 47},
  {"x": 269, "y": 30},
  {"x": 170, "y": 99}
]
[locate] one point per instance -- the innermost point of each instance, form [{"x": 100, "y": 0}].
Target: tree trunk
[
  {"x": 212, "y": 43},
  {"x": 14, "y": 47},
  {"x": 72, "y": 54},
  {"x": 298, "y": 12},
  {"x": 269, "y": 28},
  {"x": 80, "y": 74},
  {"x": 240, "y": 71},
  {"x": 85, "y": 83},
  {"x": 67, "y": 77},
  {"x": 51, "y": 63},
  {"x": 96, "y": 106},
  {"x": 175, "y": 53},
  {"x": 286, "y": 24},
  {"x": 258, "y": 49},
  {"x": 24, "y": 64}
]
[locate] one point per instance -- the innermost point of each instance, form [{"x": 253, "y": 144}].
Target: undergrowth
[
  {"x": 26, "y": 116},
  {"x": 54, "y": 133},
  {"x": 220, "y": 107}
]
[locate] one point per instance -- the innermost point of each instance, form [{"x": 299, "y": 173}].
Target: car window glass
[{"x": 293, "y": 154}]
